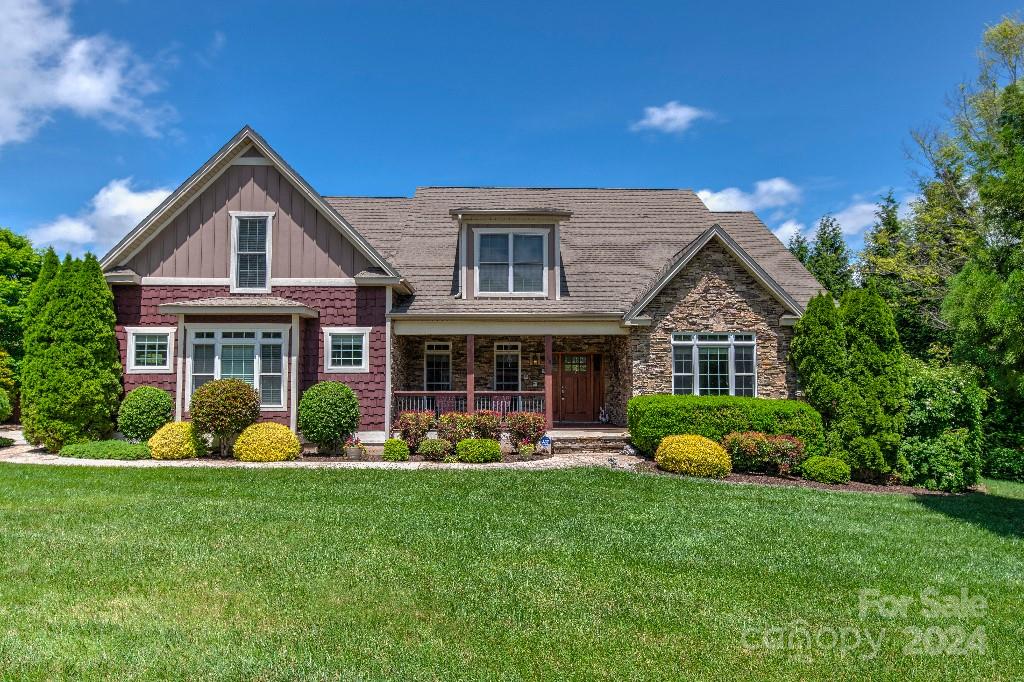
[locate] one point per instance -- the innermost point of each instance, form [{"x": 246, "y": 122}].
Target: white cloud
[
  {"x": 856, "y": 217},
  {"x": 673, "y": 117},
  {"x": 45, "y": 68},
  {"x": 788, "y": 229},
  {"x": 111, "y": 214},
  {"x": 770, "y": 193}
]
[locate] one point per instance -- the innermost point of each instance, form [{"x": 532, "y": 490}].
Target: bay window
[
  {"x": 255, "y": 356},
  {"x": 511, "y": 262},
  {"x": 714, "y": 364}
]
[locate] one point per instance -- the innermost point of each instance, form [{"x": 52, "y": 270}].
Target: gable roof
[{"x": 242, "y": 144}]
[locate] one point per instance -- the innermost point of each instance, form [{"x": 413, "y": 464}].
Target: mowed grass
[{"x": 582, "y": 574}]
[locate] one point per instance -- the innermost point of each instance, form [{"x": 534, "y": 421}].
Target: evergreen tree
[
  {"x": 818, "y": 353},
  {"x": 73, "y": 372},
  {"x": 799, "y": 247},
  {"x": 829, "y": 259},
  {"x": 34, "y": 304}
]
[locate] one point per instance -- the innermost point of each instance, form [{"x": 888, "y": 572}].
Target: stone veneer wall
[{"x": 713, "y": 293}]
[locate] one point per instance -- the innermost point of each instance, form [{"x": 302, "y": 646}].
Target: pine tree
[
  {"x": 829, "y": 259},
  {"x": 799, "y": 247}
]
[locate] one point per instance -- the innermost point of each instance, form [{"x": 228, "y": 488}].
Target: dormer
[{"x": 509, "y": 253}]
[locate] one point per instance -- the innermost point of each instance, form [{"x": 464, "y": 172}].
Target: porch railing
[{"x": 440, "y": 402}]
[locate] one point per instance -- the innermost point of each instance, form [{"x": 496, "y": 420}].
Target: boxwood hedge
[{"x": 652, "y": 417}]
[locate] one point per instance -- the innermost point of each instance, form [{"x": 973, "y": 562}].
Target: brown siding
[{"x": 197, "y": 242}]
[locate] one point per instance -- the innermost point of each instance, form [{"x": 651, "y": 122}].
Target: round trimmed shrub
[
  {"x": 176, "y": 440},
  {"x": 143, "y": 411},
  {"x": 478, "y": 450},
  {"x": 267, "y": 442},
  {"x": 223, "y": 408},
  {"x": 693, "y": 456},
  {"x": 328, "y": 415},
  {"x": 5, "y": 405},
  {"x": 395, "y": 450},
  {"x": 434, "y": 449},
  {"x": 826, "y": 470}
]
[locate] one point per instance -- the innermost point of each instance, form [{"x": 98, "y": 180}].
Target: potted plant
[
  {"x": 526, "y": 449},
  {"x": 354, "y": 448}
]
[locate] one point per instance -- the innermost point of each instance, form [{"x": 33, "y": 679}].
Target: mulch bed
[{"x": 372, "y": 456}]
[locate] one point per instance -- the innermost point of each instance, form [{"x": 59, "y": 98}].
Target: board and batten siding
[{"x": 197, "y": 242}]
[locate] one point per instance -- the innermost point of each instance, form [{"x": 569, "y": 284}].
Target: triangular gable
[
  {"x": 685, "y": 255},
  {"x": 247, "y": 144}
]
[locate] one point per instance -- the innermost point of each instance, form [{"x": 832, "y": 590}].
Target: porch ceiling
[{"x": 507, "y": 325}]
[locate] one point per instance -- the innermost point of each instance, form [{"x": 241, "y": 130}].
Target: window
[
  {"x": 150, "y": 350},
  {"x": 714, "y": 364},
  {"x": 511, "y": 262},
  {"x": 506, "y": 366},
  {"x": 346, "y": 349},
  {"x": 437, "y": 366},
  {"x": 253, "y": 356},
  {"x": 250, "y": 258}
]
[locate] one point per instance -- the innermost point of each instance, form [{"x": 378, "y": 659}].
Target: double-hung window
[
  {"x": 253, "y": 356},
  {"x": 150, "y": 350},
  {"x": 437, "y": 366},
  {"x": 506, "y": 366},
  {"x": 714, "y": 364},
  {"x": 250, "y": 247},
  {"x": 346, "y": 349},
  {"x": 512, "y": 263}
]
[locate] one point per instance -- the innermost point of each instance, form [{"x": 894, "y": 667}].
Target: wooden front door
[{"x": 576, "y": 387}]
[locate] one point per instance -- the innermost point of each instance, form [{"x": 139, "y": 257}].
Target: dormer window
[
  {"x": 511, "y": 262},
  {"x": 250, "y": 252}
]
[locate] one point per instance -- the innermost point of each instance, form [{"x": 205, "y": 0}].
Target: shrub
[
  {"x": 434, "y": 449},
  {"x": 143, "y": 411},
  {"x": 176, "y": 440},
  {"x": 526, "y": 450},
  {"x": 5, "y": 405},
  {"x": 478, "y": 450},
  {"x": 1006, "y": 464},
  {"x": 413, "y": 426},
  {"x": 455, "y": 427},
  {"x": 267, "y": 442},
  {"x": 947, "y": 462},
  {"x": 693, "y": 456},
  {"x": 6, "y": 442},
  {"x": 223, "y": 408},
  {"x": 395, "y": 450},
  {"x": 754, "y": 451},
  {"x": 328, "y": 415},
  {"x": 653, "y": 417},
  {"x": 826, "y": 470},
  {"x": 528, "y": 426},
  {"x": 106, "y": 449},
  {"x": 487, "y": 424}
]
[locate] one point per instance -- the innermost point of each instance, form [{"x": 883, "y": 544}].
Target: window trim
[
  {"x": 217, "y": 341},
  {"x": 427, "y": 351},
  {"x": 694, "y": 344},
  {"x": 363, "y": 368},
  {"x": 132, "y": 332},
  {"x": 233, "y": 275},
  {"x": 518, "y": 352},
  {"x": 543, "y": 232}
]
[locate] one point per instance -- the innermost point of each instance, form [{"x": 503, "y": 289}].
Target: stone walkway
[{"x": 22, "y": 453}]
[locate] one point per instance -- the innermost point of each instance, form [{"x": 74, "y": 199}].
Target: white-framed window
[
  {"x": 251, "y": 242},
  {"x": 511, "y": 262},
  {"x": 346, "y": 349},
  {"x": 714, "y": 364},
  {"x": 253, "y": 353},
  {"x": 150, "y": 350},
  {"x": 437, "y": 366},
  {"x": 507, "y": 358}
]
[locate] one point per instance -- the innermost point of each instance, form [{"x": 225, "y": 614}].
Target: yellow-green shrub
[
  {"x": 176, "y": 440},
  {"x": 267, "y": 442},
  {"x": 693, "y": 456}
]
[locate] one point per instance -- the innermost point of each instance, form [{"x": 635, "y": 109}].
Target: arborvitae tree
[
  {"x": 799, "y": 247},
  {"x": 35, "y": 302},
  {"x": 829, "y": 260},
  {"x": 36, "y": 298},
  {"x": 818, "y": 353},
  {"x": 74, "y": 371}
]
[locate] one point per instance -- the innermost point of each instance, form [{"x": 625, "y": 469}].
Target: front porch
[{"x": 572, "y": 380}]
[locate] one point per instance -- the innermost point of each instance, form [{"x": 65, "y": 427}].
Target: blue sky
[{"x": 789, "y": 109}]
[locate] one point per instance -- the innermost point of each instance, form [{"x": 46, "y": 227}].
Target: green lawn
[{"x": 279, "y": 574}]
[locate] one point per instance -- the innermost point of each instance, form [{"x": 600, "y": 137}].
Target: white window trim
[
  {"x": 447, "y": 352},
  {"x": 519, "y": 364},
  {"x": 235, "y": 215},
  {"x": 286, "y": 341},
  {"x": 694, "y": 345},
  {"x": 479, "y": 231},
  {"x": 132, "y": 368},
  {"x": 363, "y": 368}
]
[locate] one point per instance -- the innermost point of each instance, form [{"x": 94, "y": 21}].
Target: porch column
[
  {"x": 549, "y": 384},
  {"x": 470, "y": 373}
]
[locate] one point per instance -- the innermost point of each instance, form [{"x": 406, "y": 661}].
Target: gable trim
[{"x": 681, "y": 259}]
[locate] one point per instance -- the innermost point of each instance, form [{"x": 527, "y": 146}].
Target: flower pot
[{"x": 354, "y": 453}]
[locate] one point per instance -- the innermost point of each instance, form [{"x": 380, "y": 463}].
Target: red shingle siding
[{"x": 136, "y": 306}]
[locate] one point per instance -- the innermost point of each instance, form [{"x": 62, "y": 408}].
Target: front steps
[{"x": 598, "y": 442}]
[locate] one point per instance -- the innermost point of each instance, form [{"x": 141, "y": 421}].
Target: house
[{"x": 561, "y": 301}]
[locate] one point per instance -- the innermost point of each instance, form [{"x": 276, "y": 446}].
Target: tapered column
[
  {"x": 549, "y": 383},
  {"x": 470, "y": 373}
]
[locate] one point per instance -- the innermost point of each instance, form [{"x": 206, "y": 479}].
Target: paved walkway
[{"x": 22, "y": 453}]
